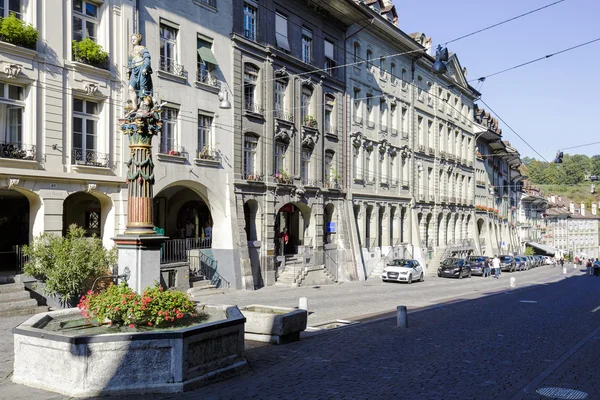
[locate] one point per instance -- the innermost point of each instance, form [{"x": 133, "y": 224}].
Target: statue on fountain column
[{"x": 139, "y": 70}]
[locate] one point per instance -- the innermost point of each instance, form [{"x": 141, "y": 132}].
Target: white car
[{"x": 403, "y": 270}]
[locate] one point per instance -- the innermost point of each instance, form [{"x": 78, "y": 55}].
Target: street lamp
[{"x": 224, "y": 97}]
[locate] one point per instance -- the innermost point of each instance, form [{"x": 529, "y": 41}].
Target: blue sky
[{"x": 552, "y": 104}]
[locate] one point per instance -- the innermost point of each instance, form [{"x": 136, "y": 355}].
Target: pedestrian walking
[
  {"x": 486, "y": 267},
  {"x": 496, "y": 265},
  {"x": 562, "y": 262},
  {"x": 589, "y": 266}
]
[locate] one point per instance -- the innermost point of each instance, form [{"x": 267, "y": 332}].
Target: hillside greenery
[{"x": 569, "y": 179}]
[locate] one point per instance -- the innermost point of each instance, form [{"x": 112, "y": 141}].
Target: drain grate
[{"x": 562, "y": 393}]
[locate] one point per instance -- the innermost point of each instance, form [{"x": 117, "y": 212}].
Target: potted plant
[
  {"x": 206, "y": 153},
  {"x": 89, "y": 52},
  {"x": 282, "y": 176},
  {"x": 174, "y": 153},
  {"x": 310, "y": 121},
  {"x": 67, "y": 267},
  {"x": 17, "y": 32}
]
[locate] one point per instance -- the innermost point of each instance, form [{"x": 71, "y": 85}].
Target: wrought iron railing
[
  {"x": 284, "y": 115},
  {"x": 166, "y": 148},
  {"x": 205, "y": 267},
  {"x": 205, "y": 77},
  {"x": 89, "y": 158},
  {"x": 20, "y": 259},
  {"x": 254, "y": 108},
  {"x": 17, "y": 150},
  {"x": 177, "y": 250},
  {"x": 170, "y": 66}
]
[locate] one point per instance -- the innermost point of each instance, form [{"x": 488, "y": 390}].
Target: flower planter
[
  {"x": 274, "y": 324},
  {"x": 79, "y": 363}
]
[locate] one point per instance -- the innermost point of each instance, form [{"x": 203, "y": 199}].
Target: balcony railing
[
  {"x": 89, "y": 158},
  {"x": 284, "y": 115},
  {"x": 17, "y": 150},
  {"x": 370, "y": 243},
  {"x": 206, "y": 78},
  {"x": 171, "y": 67},
  {"x": 171, "y": 150},
  {"x": 177, "y": 250},
  {"x": 254, "y": 108}
]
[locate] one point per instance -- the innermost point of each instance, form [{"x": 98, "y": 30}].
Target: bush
[
  {"x": 68, "y": 265},
  {"x": 17, "y": 32},
  {"x": 122, "y": 306},
  {"x": 89, "y": 52}
]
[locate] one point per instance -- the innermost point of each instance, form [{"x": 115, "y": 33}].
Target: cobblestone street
[{"x": 479, "y": 340}]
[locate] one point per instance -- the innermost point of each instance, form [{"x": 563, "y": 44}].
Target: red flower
[
  {"x": 131, "y": 325},
  {"x": 110, "y": 323},
  {"x": 150, "y": 323},
  {"x": 160, "y": 313},
  {"x": 116, "y": 308},
  {"x": 123, "y": 302},
  {"x": 160, "y": 288}
]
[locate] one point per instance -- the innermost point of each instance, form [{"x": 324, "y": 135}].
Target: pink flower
[
  {"x": 123, "y": 302},
  {"x": 131, "y": 325},
  {"x": 149, "y": 323}
]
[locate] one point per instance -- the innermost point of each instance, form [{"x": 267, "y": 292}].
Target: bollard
[
  {"x": 574, "y": 266},
  {"x": 303, "y": 303},
  {"x": 401, "y": 317},
  {"x": 564, "y": 270},
  {"x": 513, "y": 282}
]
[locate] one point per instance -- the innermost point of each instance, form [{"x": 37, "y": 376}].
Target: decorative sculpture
[
  {"x": 141, "y": 122},
  {"x": 139, "y": 70}
]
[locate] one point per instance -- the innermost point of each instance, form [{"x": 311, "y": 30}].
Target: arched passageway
[
  {"x": 84, "y": 210},
  {"x": 294, "y": 219},
  {"x": 14, "y": 228}
]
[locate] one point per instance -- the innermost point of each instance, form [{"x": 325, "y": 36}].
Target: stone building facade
[{"x": 288, "y": 99}]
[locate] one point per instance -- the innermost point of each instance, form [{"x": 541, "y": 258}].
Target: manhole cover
[{"x": 562, "y": 393}]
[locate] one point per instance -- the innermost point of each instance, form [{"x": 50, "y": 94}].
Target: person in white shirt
[
  {"x": 208, "y": 235},
  {"x": 496, "y": 265}
]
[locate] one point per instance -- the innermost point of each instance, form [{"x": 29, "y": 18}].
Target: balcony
[
  {"x": 17, "y": 151},
  {"x": 254, "y": 108},
  {"x": 206, "y": 78},
  {"x": 284, "y": 115},
  {"x": 89, "y": 158},
  {"x": 310, "y": 122},
  {"x": 169, "y": 66},
  {"x": 253, "y": 176}
]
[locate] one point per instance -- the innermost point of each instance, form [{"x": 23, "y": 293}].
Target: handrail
[{"x": 208, "y": 267}]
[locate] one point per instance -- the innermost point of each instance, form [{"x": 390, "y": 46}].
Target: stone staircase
[
  {"x": 315, "y": 269},
  {"x": 378, "y": 270},
  {"x": 290, "y": 274},
  {"x": 16, "y": 300},
  {"x": 435, "y": 261},
  {"x": 202, "y": 287}
]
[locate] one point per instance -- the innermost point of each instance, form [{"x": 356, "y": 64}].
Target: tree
[
  {"x": 68, "y": 265},
  {"x": 529, "y": 251}
]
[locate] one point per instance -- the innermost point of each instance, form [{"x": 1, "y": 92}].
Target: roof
[{"x": 543, "y": 247}]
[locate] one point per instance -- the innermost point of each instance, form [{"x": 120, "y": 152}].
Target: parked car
[
  {"x": 549, "y": 260},
  {"x": 531, "y": 261},
  {"x": 477, "y": 263},
  {"x": 454, "y": 268},
  {"x": 521, "y": 263},
  {"x": 507, "y": 263},
  {"x": 403, "y": 270}
]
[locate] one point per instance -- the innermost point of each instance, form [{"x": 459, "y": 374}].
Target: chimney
[
  {"x": 553, "y": 199},
  {"x": 583, "y": 209},
  {"x": 594, "y": 209},
  {"x": 572, "y": 208}
]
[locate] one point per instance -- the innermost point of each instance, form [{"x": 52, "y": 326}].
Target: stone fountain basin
[
  {"x": 162, "y": 361},
  {"x": 274, "y": 324}
]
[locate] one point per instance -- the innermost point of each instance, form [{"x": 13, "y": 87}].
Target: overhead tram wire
[
  {"x": 504, "y": 22},
  {"x": 483, "y": 78},
  {"x": 509, "y": 127}
]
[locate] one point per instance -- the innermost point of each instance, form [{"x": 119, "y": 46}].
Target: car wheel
[
  {"x": 409, "y": 281},
  {"x": 439, "y": 275},
  {"x": 422, "y": 276}
]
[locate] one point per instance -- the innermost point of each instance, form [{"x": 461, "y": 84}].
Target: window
[
  {"x": 280, "y": 106},
  {"x": 370, "y": 108},
  {"x": 280, "y": 148},
  {"x": 206, "y": 63},
  {"x": 404, "y": 122},
  {"x": 8, "y": 7},
  {"x": 204, "y": 135},
  {"x": 85, "y": 20},
  {"x": 11, "y": 112},
  {"x": 169, "y": 131},
  {"x": 356, "y": 53},
  {"x": 420, "y": 88},
  {"x": 85, "y": 127},
  {"x": 307, "y": 49},
  {"x": 328, "y": 114},
  {"x": 382, "y": 66},
  {"x": 327, "y": 173},
  {"x": 329, "y": 58},
  {"x": 382, "y": 114},
  {"x": 357, "y": 106},
  {"x": 305, "y": 106},
  {"x": 369, "y": 58},
  {"x": 393, "y": 72},
  {"x": 168, "y": 49},
  {"x": 212, "y": 3},
  {"x": 421, "y": 133},
  {"x": 305, "y": 165},
  {"x": 249, "y": 21},
  {"x": 281, "y": 32},
  {"x": 430, "y": 141},
  {"x": 394, "y": 118},
  {"x": 250, "y": 145},
  {"x": 250, "y": 82}
]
